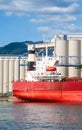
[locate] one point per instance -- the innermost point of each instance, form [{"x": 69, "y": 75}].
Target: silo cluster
[
  {"x": 70, "y": 54},
  {"x": 14, "y": 69},
  {"x": 11, "y": 69}
]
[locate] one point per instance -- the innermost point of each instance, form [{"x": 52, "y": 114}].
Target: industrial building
[
  {"x": 11, "y": 70},
  {"x": 67, "y": 47}
]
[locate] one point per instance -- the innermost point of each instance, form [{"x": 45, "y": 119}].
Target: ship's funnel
[{"x": 31, "y": 57}]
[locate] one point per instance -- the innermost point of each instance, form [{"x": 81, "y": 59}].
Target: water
[{"x": 40, "y": 116}]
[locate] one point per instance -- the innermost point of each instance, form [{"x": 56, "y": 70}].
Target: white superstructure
[{"x": 41, "y": 73}]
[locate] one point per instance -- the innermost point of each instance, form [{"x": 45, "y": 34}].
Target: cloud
[
  {"x": 64, "y": 11},
  {"x": 57, "y": 18},
  {"x": 74, "y": 28},
  {"x": 44, "y": 29},
  {"x": 71, "y": 0},
  {"x": 55, "y": 9},
  {"x": 48, "y": 32},
  {"x": 48, "y": 14},
  {"x": 46, "y": 6},
  {"x": 33, "y": 20},
  {"x": 9, "y": 13}
]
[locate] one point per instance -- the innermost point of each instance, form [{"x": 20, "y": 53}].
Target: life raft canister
[{"x": 50, "y": 68}]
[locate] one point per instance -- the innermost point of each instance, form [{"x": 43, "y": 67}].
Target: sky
[{"x": 23, "y": 20}]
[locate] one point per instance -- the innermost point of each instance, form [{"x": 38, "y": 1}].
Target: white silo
[
  {"x": 81, "y": 58},
  {"x": 61, "y": 48},
  {"x": 1, "y": 75},
  {"x": 11, "y": 73},
  {"x": 26, "y": 67},
  {"x": 16, "y": 69},
  {"x": 5, "y": 75},
  {"x": 22, "y": 69},
  {"x": 74, "y": 53}
]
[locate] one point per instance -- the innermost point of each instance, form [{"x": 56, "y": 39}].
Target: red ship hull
[{"x": 57, "y": 91}]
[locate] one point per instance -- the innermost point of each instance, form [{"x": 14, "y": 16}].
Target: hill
[{"x": 15, "y": 48}]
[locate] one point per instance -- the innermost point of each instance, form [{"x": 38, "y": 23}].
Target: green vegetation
[{"x": 15, "y": 48}]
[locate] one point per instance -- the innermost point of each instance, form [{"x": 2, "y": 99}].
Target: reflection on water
[{"x": 40, "y": 116}]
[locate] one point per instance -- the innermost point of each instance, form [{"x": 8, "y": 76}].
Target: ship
[{"x": 44, "y": 82}]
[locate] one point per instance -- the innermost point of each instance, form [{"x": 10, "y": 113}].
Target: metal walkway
[{"x": 70, "y": 61}]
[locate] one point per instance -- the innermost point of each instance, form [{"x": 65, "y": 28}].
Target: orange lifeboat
[{"x": 50, "y": 68}]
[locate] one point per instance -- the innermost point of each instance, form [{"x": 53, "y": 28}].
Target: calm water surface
[{"x": 40, "y": 116}]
